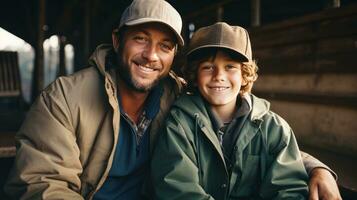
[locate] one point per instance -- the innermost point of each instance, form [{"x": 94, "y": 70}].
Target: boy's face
[{"x": 219, "y": 81}]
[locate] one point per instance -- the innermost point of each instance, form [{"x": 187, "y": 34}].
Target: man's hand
[{"x": 322, "y": 186}]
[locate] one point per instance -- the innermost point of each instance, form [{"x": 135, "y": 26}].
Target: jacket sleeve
[
  {"x": 173, "y": 166},
  {"x": 312, "y": 163},
  {"x": 286, "y": 177},
  {"x": 47, "y": 164}
]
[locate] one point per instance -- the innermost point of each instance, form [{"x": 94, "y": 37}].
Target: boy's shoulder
[
  {"x": 261, "y": 111},
  {"x": 275, "y": 130},
  {"x": 186, "y": 99},
  {"x": 190, "y": 103}
]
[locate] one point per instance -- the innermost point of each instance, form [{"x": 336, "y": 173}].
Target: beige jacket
[{"x": 66, "y": 145}]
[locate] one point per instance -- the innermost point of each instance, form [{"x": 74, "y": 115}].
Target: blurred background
[{"x": 305, "y": 52}]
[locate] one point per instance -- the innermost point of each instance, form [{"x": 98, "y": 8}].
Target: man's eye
[
  {"x": 140, "y": 39},
  {"x": 166, "y": 47}
]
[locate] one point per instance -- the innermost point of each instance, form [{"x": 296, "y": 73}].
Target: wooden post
[
  {"x": 220, "y": 12},
  {"x": 87, "y": 29},
  {"x": 336, "y": 3},
  {"x": 62, "y": 58},
  {"x": 255, "y": 14},
  {"x": 38, "y": 72},
  {"x": 333, "y": 4}
]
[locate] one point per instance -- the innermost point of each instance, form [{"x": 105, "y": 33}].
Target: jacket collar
[
  {"x": 99, "y": 56},
  {"x": 194, "y": 106}
]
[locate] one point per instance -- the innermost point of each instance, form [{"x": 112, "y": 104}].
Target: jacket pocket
[{"x": 248, "y": 184}]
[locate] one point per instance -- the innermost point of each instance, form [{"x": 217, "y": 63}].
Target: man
[{"x": 90, "y": 135}]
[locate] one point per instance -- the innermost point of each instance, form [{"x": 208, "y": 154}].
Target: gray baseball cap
[
  {"x": 222, "y": 35},
  {"x": 145, "y": 11}
]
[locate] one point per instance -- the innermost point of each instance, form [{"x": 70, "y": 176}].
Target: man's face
[{"x": 146, "y": 53}]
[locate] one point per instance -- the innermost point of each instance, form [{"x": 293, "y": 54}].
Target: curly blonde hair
[{"x": 249, "y": 69}]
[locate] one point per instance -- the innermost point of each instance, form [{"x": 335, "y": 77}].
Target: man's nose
[{"x": 150, "y": 53}]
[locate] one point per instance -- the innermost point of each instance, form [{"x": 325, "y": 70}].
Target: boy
[{"x": 222, "y": 142}]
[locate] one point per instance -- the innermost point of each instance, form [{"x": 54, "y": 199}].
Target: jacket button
[{"x": 223, "y": 185}]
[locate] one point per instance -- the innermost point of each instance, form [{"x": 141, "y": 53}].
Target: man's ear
[{"x": 115, "y": 39}]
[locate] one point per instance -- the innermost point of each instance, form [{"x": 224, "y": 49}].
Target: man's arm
[
  {"x": 322, "y": 183},
  {"x": 312, "y": 163},
  {"x": 47, "y": 163}
]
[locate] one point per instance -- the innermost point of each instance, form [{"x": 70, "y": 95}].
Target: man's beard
[{"x": 131, "y": 82}]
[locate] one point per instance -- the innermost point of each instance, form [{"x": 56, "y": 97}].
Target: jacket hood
[
  {"x": 98, "y": 57},
  {"x": 193, "y": 103}
]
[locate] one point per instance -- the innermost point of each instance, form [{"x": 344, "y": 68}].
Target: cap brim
[
  {"x": 217, "y": 46},
  {"x": 148, "y": 20}
]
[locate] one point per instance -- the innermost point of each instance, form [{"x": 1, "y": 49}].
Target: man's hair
[{"x": 249, "y": 69}]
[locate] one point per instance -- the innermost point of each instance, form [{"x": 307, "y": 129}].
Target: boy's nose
[{"x": 218, "y": 75}]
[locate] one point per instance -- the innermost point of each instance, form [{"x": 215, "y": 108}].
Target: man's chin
[{"x": 143, "y": 88}]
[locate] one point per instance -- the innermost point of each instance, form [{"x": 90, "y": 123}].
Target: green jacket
[{"x": 188, "y": 162}]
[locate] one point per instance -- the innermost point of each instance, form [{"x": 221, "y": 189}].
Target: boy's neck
[{"x": 225, "y": 113}]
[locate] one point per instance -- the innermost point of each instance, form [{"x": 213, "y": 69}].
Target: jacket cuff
[{"x": 312, "y": 163}]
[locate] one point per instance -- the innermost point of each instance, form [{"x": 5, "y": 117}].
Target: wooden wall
[{"x": 308, "y": 71}]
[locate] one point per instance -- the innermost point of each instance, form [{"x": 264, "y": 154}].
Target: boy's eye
[
  {"x": 206, "y": 67},
  {"x": 232, "y": 67}
]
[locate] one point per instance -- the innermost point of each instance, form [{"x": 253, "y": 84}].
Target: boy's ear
[{"x": 115, "y": 40}]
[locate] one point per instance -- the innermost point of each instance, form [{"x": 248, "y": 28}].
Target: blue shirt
[{"x": 131, "y": 160}]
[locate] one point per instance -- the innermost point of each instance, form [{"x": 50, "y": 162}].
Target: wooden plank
[
  {"x": 5, "y": 70},
  {"x": 323, "y": 126},
  {"x": 10, "y": 93},
  {"x": 292, "y": 35},
  {"x": 318, "y": 47},
  {"x": 10, "y": 71},
  {"x": 2, "y": 74},
  {"x": 6, "y": 152},
  {"x": 281, "y": 51},
  {"x": 344, "y": 12},
  {"x": 333, "y": 63},
  {"x": 337, "y": 45},
  {"x": 346, "y": 100},
  {"x": 10, "y": 75},
  {"x": 305, "y": 32},
  {"x": 17, "y": 71},
  {"x": 308, "y": 83}
]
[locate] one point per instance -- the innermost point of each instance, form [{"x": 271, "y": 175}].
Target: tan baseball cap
[
  {"x": 145, "y": 11},
  {"x": 222, "y": 35}
]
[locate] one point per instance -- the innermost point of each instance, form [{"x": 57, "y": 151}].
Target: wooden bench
[
  {"x": 10, "y": 82},
  {"x": 11, "y": 102}
]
